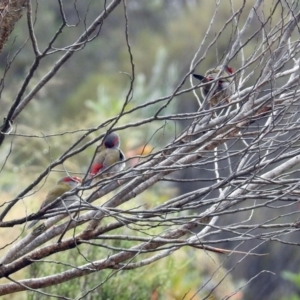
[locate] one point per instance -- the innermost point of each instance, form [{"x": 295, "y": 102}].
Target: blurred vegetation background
[{"x": 90, "y": 88}]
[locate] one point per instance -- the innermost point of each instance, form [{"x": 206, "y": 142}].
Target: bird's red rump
[
  {"x": 96, "y": 168},
  {"x": 68, "y": 179},
  {"x": 230, "y": 70}
]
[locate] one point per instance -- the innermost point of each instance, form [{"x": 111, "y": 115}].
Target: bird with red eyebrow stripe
[
  {"x": 223, "y": 89},
  {"x": 63, "y": 185},
  {"x": 108, "y": 159}
]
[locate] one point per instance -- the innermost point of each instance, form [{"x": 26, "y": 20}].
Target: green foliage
[
  {"x": 136, "y": 284},
  {"x": 92, "y": 88},
  {"x": 295, "y": 279},
  {"x": 103, "y": 97}
]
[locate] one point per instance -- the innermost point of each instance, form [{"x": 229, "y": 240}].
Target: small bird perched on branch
[
  {"x": 107, "y": 155},
  {"x": 223, "y": 89},
  {"x": 62, "y": 186}
]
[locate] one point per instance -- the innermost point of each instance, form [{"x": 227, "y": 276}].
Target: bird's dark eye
[{"x": 109, "y": 144}]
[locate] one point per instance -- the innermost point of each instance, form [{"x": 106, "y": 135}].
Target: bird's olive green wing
[
  {"x": 111, "y": 157},
  {"x": 57, "y": 191}
]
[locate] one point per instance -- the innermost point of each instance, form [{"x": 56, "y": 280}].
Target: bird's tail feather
[
  {"x": 32, "y": 224},
  {"x": 199, "y": 77}
]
